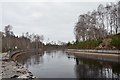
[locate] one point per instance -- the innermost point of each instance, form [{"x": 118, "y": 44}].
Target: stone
[
  {"x": 15, "y": 76},
  {"x": 11, "y": 69}
]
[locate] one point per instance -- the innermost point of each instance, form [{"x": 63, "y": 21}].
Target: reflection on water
[
  {"x": 58, "y": 64},
  {"x": 96, "y": 69}
]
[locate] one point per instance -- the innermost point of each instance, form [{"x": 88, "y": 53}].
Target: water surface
[{"x": 58, "y": 64}]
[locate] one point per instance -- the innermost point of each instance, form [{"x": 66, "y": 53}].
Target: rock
[
  {"x": 24, "y": 76},
  {"x": 15, "y": 76},
  {"x": 31, "y": 75},
  {"x": 3, "y": 66},
  {"x": 106, "y": 44},
  {"x": 13, "y": 69},
  {"x": 6, "y": 60},
  {"x": 29, "y": 72}
]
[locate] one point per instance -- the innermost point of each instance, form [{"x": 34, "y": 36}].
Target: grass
[
  {"x": 89, "y": 44},
  {"x": 92, "y": 44},
  {"x": 116, "y": 41}
]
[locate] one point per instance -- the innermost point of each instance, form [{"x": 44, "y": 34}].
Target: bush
[
  {"x": 89, "y": 44},
  {"x": 116, "y": 41}
]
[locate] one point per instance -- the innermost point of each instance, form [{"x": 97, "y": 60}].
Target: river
[{"x": 58, "y": 64}]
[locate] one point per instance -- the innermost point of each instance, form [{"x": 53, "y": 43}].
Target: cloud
[
  {"x": 55, "y": 20},
  {"x": 57, "y": 0},
  {"x": 0, "y": 15}
]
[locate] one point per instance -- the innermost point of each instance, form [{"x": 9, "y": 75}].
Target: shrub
[
  {"x": 116, "y": 41},
  {"x": 89, "y": 44}
]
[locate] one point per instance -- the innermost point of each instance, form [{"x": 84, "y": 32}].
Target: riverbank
[
  {"x": 13, "y": 69},
  {"x": 106, "y": 55}
]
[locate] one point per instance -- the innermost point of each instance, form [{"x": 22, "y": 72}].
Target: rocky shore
[{"x": 13, "y": 69}]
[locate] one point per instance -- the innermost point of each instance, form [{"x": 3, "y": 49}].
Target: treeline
[
  {"x": 94, "y": 27},
  {"x": 98, "y": 23},
  {"x": 88, "y": 44},
  {"x": 26, "y": 41}
]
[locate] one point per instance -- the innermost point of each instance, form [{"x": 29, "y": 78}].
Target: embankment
[
  {"x": 13, "y": 69},
  {"x": 105, "y": 55}
]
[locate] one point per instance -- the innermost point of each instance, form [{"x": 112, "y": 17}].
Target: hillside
[{"x": 110, "y": 42}]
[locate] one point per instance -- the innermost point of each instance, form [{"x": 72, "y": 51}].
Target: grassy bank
[
  {"x": 93, "y": 44},
  {"x": 116, "y": 41},
  {"x": 89, "y": 44}
]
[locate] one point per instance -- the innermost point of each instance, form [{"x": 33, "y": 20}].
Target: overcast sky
[{"x": 54, "y": 20}]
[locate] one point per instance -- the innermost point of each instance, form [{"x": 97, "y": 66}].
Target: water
[{"x": 58, "y": 64}]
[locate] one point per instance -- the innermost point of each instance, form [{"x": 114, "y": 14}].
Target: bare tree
[
  {"x": 98, "y": 24},
  {"x": 26, "y": 41}
]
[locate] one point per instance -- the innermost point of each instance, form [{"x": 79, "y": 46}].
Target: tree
[
  {"x": 8, "y": 29},
  {"x": 118, "y": 16},
  {"x": 26, "y": 41},
  {"x": 98, "y": 24}
]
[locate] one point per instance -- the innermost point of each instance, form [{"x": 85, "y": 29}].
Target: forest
[
  {"x": 97, "y": 25},
  {"x": 26, "y": 41}
]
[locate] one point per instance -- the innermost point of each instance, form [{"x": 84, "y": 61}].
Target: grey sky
[{"x": 54, "y": 20}]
